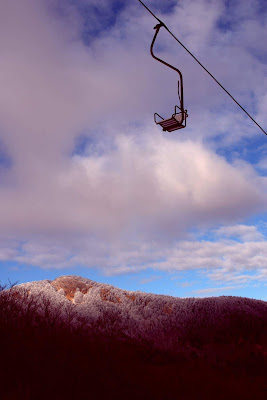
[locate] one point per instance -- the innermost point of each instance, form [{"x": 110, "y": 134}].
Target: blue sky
[{"x": 90, "y": 186}]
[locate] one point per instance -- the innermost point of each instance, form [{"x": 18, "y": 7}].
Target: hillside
[{"x": 86, "y": 338}]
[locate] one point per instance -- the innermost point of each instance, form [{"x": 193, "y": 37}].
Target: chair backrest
[{"x": 179, "y": 117}]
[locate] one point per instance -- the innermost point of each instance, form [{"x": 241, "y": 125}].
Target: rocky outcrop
[{"x": 69, "y": 285}]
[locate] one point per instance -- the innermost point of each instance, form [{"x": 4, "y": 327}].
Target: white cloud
[
  {"x": 149, "y": 185},
  {"x": 244, "y": 232},
  {"x": 222, "y": 261},
  {"x": 215, "y": 291},
  {"x": 186, "y": 284},
  {"x": 262, "y": 164},
  {"x": 148, "y": 280},
  {"x": 233, "y": 275}
]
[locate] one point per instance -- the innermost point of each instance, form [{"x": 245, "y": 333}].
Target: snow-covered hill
[
  {"x": 167, "y": 322},
  {"x": 73, "y": 337}
]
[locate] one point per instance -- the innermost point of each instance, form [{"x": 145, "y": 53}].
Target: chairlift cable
[{"x": 213, "y": 77}]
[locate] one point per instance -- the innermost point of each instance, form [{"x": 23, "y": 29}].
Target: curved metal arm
[{"x": 157, "y": 27}]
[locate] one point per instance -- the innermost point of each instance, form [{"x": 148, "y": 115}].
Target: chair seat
[{"x": 170, "y": 124}]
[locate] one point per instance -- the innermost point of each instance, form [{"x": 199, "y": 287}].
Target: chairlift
[{"x": 178, "y": 119}]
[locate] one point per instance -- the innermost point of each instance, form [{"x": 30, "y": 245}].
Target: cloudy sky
[{"x": 90, "y": 186}]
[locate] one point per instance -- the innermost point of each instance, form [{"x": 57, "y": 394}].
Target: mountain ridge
[
  {"x": 97, "y": 341},
  {"x": 162, "y": 320},
  {"x": 71, "y": 283}
]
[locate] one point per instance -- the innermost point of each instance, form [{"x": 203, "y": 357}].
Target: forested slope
[{"x": 73, "y": 336}]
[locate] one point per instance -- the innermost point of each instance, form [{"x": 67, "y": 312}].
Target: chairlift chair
[{"x": 178, "y": 119}]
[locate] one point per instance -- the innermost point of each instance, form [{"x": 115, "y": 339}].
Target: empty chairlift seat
[{"x": 176, "y": 121}]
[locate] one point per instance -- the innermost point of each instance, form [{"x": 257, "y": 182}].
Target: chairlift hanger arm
[{"x": 157, "y": 27}]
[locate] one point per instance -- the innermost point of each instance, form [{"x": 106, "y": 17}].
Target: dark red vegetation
[{"x": 50, "y": 351}]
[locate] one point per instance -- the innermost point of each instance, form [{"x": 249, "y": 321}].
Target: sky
[{"x": 90, "y": 186}]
